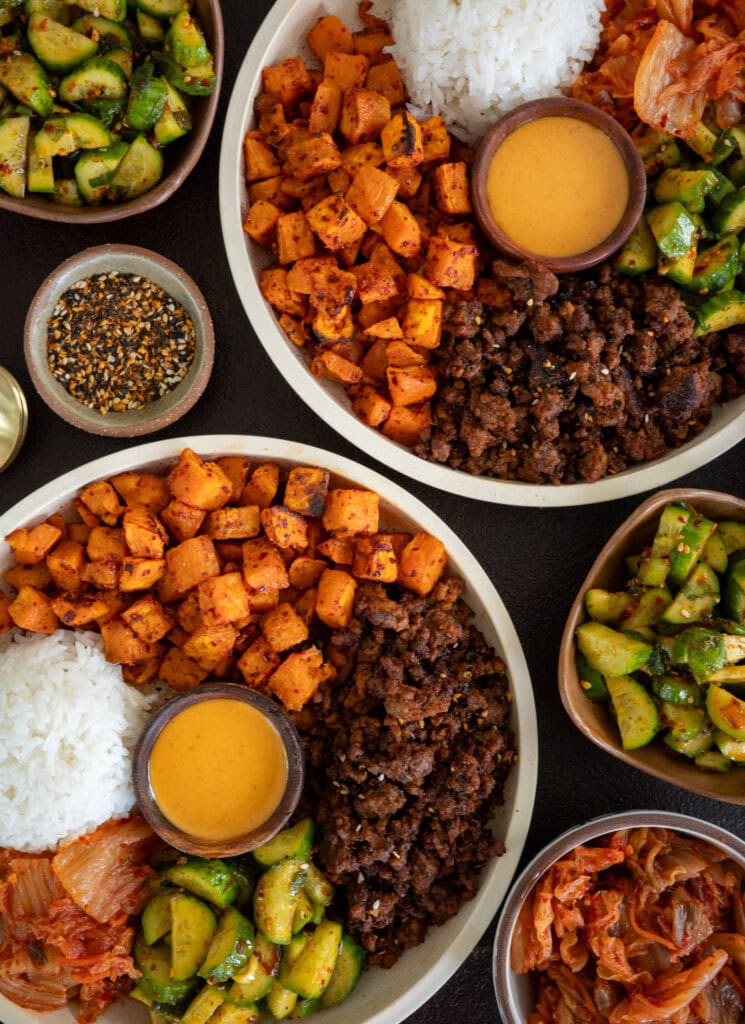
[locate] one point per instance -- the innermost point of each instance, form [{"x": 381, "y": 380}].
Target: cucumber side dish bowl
[
  {"x": 652, "y": 663},
  {"x": 104, "y": 109}
]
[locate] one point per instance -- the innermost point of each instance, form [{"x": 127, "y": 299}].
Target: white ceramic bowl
[
  {"x": 383, "y": 997},
  {"x": 515, "y": 992},
  {"x": 282, "y": 35}
]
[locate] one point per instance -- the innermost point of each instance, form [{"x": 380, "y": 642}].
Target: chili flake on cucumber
[
  {"x": 89, "y": 97},
  {"x": 220, "y": 943},
  {"x": 667, "y": 653}
]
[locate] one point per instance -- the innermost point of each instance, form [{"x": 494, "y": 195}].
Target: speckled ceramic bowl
[{"x": 177, "y": 283}]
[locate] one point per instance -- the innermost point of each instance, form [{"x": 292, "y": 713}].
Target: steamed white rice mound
[
  {"x": 473, "y": 60},
  {"x": 68, "y": 727}
]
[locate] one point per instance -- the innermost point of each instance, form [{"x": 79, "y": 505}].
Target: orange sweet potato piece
[
  {"x": 236, "y": 468},
  {"x": 78, "y": 532},
  {"x": 283, "y": 627},
  {"x": 421, "y": 563},
  {"x": 409, "y": 385},
  {"x": 209, "y": 645},
  {"x": 32, "y": 610},
  {"x": 79, "y": 610},
  {"x": 330, "y": 35},
  {"x": 106, "y": 544},
  {"x": 37, "y": 576},
  {"x": 325, "y": 110},
  {"x": 270, "y": 190},
  {"x": 388, "y": 329},
  {"x": 260, "y": 160},
  {"x": 260, "y": 222},
  {"x": 32, "y": 546},
  {"x": 234, "y": 523},
  {"x": 223, "y": 599},
  {"x": 418, "y": 287},
  {"x": 371, "y": 193},
  {"x": 148, "y": 619},
  {"x": 275, "y": 289},
  {"x": 330, "y": 330},
  {"x": 335, "y": 598},
  {"x": 366, "y": 153},
  {"x": 338, "y": 549},
  {"x": 298, "y": 677},
  {"x": 422, "y": 324},
  {"x": 293, "y": 329},
  {"x": 262, "y": 600},
  {"x": 140, "y": 573},
  {"x": 371, "y": 42},
  {"x": 305, "y": 605},
  {"x": 144, "y": 534},
  {"x": 102, "y": 575},
  {"x": 65, "y": 563},
  {"x": 263, "y": 566},
  {"x": 309, "y": 158},
  {"x": 375, "y": 362},
  {"x": 331, "y": 289},
  {"x": 122, "y": 646},
  {"x": 181, "y": 520},
  {"x": 385, "y": 78},
  {"x": 435, "y": 139},
  {"x": 103, "y": 501},
  {"x": 304, "y": 189},
  {"x": 141, "y": 672},
  {"x": 490, "y": 293},
  {"x": 289, "y": 80},
  {"x": 192, "y": 561},
  {"x": 258, "y": 661},
  {"x": 335, "y": 223},
  {"x": 114, "y": 603},
  {"x": 295, "y": 238},
  {"x": 285, "y": 528},
  {"x": 400, "y": 230},
  {"x": 347, "y": 70},
  {"x": 401, "y": 139},
  {"x": 85, "y": 513},
  {"x": 272, "y": 122},
  {"x": 199, "y": 484},
  {"x": 6, "y": 621},
  {"x": 304, "y": 572},
  {"x": 406, "y": 423},
  {"x": 262, "y": 487},
  {"x": 408, "y": 180},
  {"x": 306, "y": 490},
  {"x": 364, "y": 114},
  {"x": 401, "y": 354},
  {"x": 142, "y": 489},
  {"x": 301, "y": 275},
  {"x": 375, "y": 559},
  {"x": 451, "y": 264},
  {"x": 451, "y": 188},
  {"x": 335, "y": 367},
  {"x": 375, "y": 283},
  {"x": 371, "y": 407},
  {"x": 189, "y": 615},
  {"x": 351, "y": 512},
  {"x": 180, "y": 672}
]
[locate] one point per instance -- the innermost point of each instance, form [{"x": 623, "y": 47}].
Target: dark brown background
[{"x": 537, "y": 559}]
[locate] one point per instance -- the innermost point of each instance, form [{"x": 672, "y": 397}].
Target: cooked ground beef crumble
[
  {"x": 406, "y": 759},
  {"x": 574, "y": 378}
]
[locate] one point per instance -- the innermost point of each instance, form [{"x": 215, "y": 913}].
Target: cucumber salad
[
  {"x": 90, "y": 93},
  {"x": 221, "y": 941},
  {"x": 668, "y": 652}
]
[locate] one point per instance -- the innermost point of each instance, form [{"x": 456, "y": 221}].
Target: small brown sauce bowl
[
  {"x": 559, "y": 106},
  {"x": 593, "y": 717},
  {"x": 249, "y": 841}
]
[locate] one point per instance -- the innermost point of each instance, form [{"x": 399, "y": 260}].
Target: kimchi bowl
[{"x": 517, "y": 992}]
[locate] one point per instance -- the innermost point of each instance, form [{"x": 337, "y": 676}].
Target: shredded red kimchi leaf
[{"x": 644, "y": 928}]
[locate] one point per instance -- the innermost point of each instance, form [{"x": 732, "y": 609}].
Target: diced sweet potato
[
  {"x": 371, "y": 42},
  {"x": 102, "y": 575},
  {"x": 236, "y": 468},
  {"x": 78, "y": 610},
  {"x": 209, "y": 645},
  {"x": 409, "y": 385},
  {"x": 181, "y": 520},
  {"x": 85, "y": 513},
  {"x": 274, "y": 287},
  {"x": 354, "y": 157},
  {"x": 375, "y": 283},
  {"x": 330, "y": 35},
  {"x": 189, "y": 614},
  {"x": 347, "y": 70},
  {"x": 375, "y": 559},
  {"x": 335, "y": 598},
  {"x": 260, "y": 160},
  {"x": 335, "y": 367},
  {"x": 140, "y": 573},
  {"x": 295, "y": 238},
  {"x": 233, "y": 523},
  {"x": 325, "y": 109},
  {"x": 148, "y": 619},
  {"x": 304, "y": 572},
  {"x": 270, "y": 190},
  {"x": 289, "y": 81},
  {"x": 422, "y": 324},
  {"x": 371, "y": 407},
  {"x": 401, "y": 230},
  {"x": 421, "y": 563},
  {"x": 401, "y": 354},
  {"x": 406, "y": 423},
  {"x": 32, "y": 546},
  {"x": 306, "y": 490},
  {"x": 339, "y": 549},
  {"x": 179, "y": 672},
  {"x": 6, "y": 620},
  {"x": 258, "y": 662},
  {"x": 460, "y": 231},
  {"x": 306, "y": 188},
  {"x": 78, "y": 532},
  {"x": 141, "y": 672},
  {"x": 451, "y": 264},
  {"x": 385, "y": 78},
  {"x": 388, "y": 329},
  {"x": 272, "y": 122},
  {"x": 262, "y": 487},
  {"x": 364, "y": 114},
  {"x": 142, "y": 489},
  {"x": 305, "y": 605},
  {"x": 451, "y": 188},
  {"x": 122, "y": 646},
  {"x": 144, "y": 534},
  {"x": 260, "y": 222},
  {"x": 371, "y": 193},
  {"x": 103, "y": 501},
  {"x": 192, "y": 561},
  {"x": 418, "y": 287},
  {"x": 375, "y": 362},
  {"x": 294, "y": 329},
  {"x": 113, "y": 602},
  {"x": 301, "y": 275},
  {"x": 298, "y": 677},
  {"x": 32, "y": 610},
  {"x": 283, "y": 627},
  {"x": 335, "y": 223},
  {"x": 435, "y": 139},
  {"x": 351, "y": 511},
  {"x": 330, "y": 330},
  {"x": 199, "y": 484},
  {"x": 37, "y": 576},
  {"x": 223, "y": 599},
  {"x": 106, "y": 544},
  {"x": 262, "y": 600},
  {"x": 402, "y": 141},
  {"x": 263, "y": 566},
  {"x": 490, "y": 293},
  {"x": 57, "y": 520},
  {"x": 285, "y": 528},
  {"x": 332, "y": 289},
  {"x": 408, "y": 180},
  {"x": 312, "y": 157}
]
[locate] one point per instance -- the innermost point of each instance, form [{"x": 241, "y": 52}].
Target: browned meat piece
[{"x": 686, "y": 391}]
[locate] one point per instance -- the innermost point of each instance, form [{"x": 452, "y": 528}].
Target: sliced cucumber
[
  {"x": 185, "y": 41},
  {"x": 95, "y": 169},
  {"x": 304, "y": 912},
  {"x": 311, "y": 972},
  {"x": 140, "y": 170},
  {"x": 726, "y": 711},
  {"x": 715, "y": 553},
  {"x": 729, "y": 216},
  {"x": 151, "y": 30},
  {"x": 346, "y": 974},
  {"x": 713, "y": 761},
  {"x": 257, "y": 977},
  {"x": 66, "y": 191},
  {"x": 690, "y": 746},
  {"x": 204, "y": 1004},
  {"x": 295, "y": 843},
  {"x": 95, "y": 79},
  {"x": 193, "y": 927},
  {"x": 734, "y": 589},
  {"x": 715, "y": 266},
  {"x": 156, "y": 917},
  {"x": 124, "y": 58},
  {"x": 591, "y": 681},
  {"x": 60, "y": 136},
  {"x": 227, "y": 1014},
  {"x": 14, "y": 132},
  {"x": 636, "y": 712},
  {"x": 280, "y": 1001},
  {"x": 606, "y": 606},
  {"x": 230, "y": 948},
  {"x": 673, "y": 229},
  {"x": 318, "y": 887},
  {"x": 639, "y": 253},
  {"x": 646, "y": 609},
  {"x": 677, "y": 690},
  {"x": 609, "y": 651},
  {"x": 196, "y": 81},
  {"x": 275, "y": 899},
  {"x": 113, "y": 10},
  {"x": 58, "y": 10},
  {"x": 111, "y": 34},
  {"x": 24, "y": 76},
  {"x": 732, "y": 534},
  {"x": 163, "y": 9},
  {"x": 58, "y": 47},
  {"x": 733, "y": 750},
  {"x": 211, "y": 880},
  {"x": 687, "y": 551},
  {"x": 696, "y": 598},
  {"x": 175, "y": 121},
  {"x": 684, "y": 723},
  {"x": 147, "y": 98},
  {"x": 40, "y": 177},
  {"x": 155, "y": 964}
]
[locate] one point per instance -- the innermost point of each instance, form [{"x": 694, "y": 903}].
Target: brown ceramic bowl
[
  {"x": 593, "y": 718},
  {"x": 559, "y": 106},
  {"x": 180, "y": 157},
  {"x": 172, "y": 279},
  {"x": 295, "y": 771}
]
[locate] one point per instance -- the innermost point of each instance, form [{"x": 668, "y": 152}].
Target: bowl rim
[
  {"x": 44, "y": 209},
  {"x": 566, "y": 667},
  {"x": 559, "y": 106},
  {"x": 275, "y": 714},
  {"x": 119, "y": 424},
  {"x": 480, "y": 911},
  {"x": 561, "y": 845},
  {"x": 329, "y": 401}
]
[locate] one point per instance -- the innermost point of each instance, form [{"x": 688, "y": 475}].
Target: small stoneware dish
[
  {"x": 559, "y": 106},
  {"x": 516, "y": 992},
  {"x": 592, "y": 717},
  {"x": 127, "y": 259},
  {"x": 180, "y": 157},
  {"x": 249, "y": 840}
]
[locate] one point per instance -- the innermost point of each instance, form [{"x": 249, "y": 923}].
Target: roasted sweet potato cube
[
  {"x": 103, "y": 501},
  {"x": 331, "y": 289},
  {"x": 364, "y": 114},
  {"x": 106, "y": 544},
  {"x": 421, "y": 563},
  {"x": 304, "y": 572},
  {"x": 330, "y": 34},
  {"x": 78, "y": 609},
  {"x": 305, "y": 605},
  {"x": 260, "y": 160},
  {"x": 149, "y": 619},
  {"x": 223, "y": 599},
  {"x": 371, "y": 407},
  {"x": 451, "y": 188},
  {"x": 258, "y": 662},
  {"x": 335, "y": 598},
  {"x": 274, "y": 288},
  {"x": 113, "y": 602},
  {"x": 65, "y": 563},
  {"x": 181, "y": 520},
  {"x": 347, "y": 70},
  {"x": 460, "y": 231},
  {"x": 402, "y": 354},
  {"x": 401, "y": 231},
  {"x": 209, "y": 645},
  {"x": 375, "y": 283},
  {"x": 142, "y": 672},
  {"x": 385, "y": 78},
  {"x": 140, "y": 573},
  {"x": 192, "y": 561},
  {"x": 302, "y": 189},
  {"x": 418, "y": 287},
  {"x": 451, "y": 264},
  {"x": 435, "y": 139},
  {"x": 301, "y": 275},
  {"x": 406, "y": 423},
  {"x": 234, "y": 523},
  {"x": 236, "y": 468},
  {"x": 289, "y": 81},
  {"x": 366, "y": 153},
  {"x": 375, "y": 559},
  {"x": 260, "y": 222},
  {"x": 306, "y": 490},
  {"x": 409, "y": 385},
  {"x": 335, "y": 223},
  {"x": 189, "y": 613},
  {"x": 490, "y": 293},
  {"x": 310, "y": 157},
  {"x": 272, "y": 123},
  {"x": 337, "y": 368},
  {"x": 144, "y": 533},
  {"x": 371, "y": 193},
  {"x": 422, "y": 324},
  {"x": 262, "y": 600},
  {"x": 293, "y": 328},
  {"x": 270, "y": 190},
  {"x": 283, "y": 627},
  {"x": 330, "y": 330},
  {"x": 284, "y": 528},
  {"x": 32, "y": 610},
  {"x": 401, "y": 139},
  {"x": 85, "y": 513},
  {"x": 262, "y": 487},
  {"x": 179, "y": 671},
  {"x": 295, "y": 238},
  {"x": 298, "y": 677},
  {"x": 122, "y": 646},
  {"x": 32, "y": 546},
  {"x": 263, "y": 566},
  {"x": 37, "y": 576},
  {"x": 78, "y": 532},
  {"x": 199, "y": 484},
  {"x": 350, "y": 511},
  {"x": 102, "y": 575},
  {"x": 339, "y": 180},
  {"x": 6, "y": 620},
  {"x": 142, "y": 489},
  {"x": 57, "y": 520},
  {"x": 375, "y": 362},
  {"x": 325, "y": 109},
  {"x": 408, "y": 180},
  {"x": 339, "y": 549}
]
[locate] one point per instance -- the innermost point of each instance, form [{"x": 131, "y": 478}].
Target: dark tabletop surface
[{"x": 537, "y": 559}]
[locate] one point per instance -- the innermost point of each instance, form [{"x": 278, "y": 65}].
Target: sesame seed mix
[{"x": 117, "y": 342}]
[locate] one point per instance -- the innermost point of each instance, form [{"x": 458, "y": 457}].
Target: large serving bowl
[
  {"x": 180, "y": 157},
  {"x": 282, "y": 35},
  {"x": 383, "y": 997},
  {"x": 593, "y": 717},
  {"x": 515, "y": 992}
]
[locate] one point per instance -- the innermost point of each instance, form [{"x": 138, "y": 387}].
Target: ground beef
[
  {"x": 406, "y": 759},
  {"x": 573, "y": 378}
]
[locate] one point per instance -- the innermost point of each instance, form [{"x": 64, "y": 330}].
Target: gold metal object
[{"x": 13, "y": 418}]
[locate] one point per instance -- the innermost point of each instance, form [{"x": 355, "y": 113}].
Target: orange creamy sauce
[
  {"x": 218, "y": 769},
  {"x": 557, "y": 186}
]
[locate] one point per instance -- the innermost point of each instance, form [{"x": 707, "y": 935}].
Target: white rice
[
  {"x": 68, "y": 727},
  {"x": 474, "y": 60}
]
